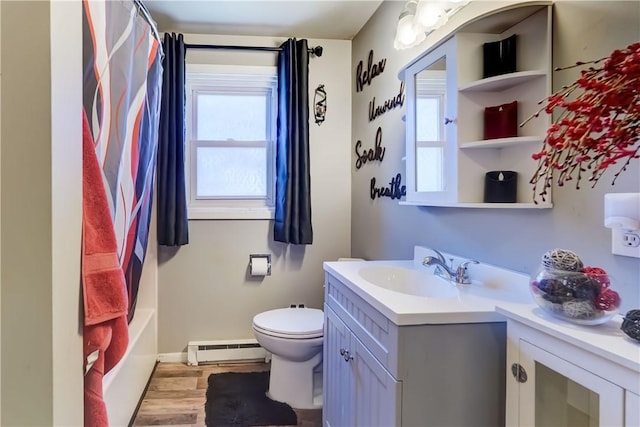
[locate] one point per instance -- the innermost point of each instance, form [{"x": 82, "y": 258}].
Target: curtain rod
[
  {"x": 315, "y": 51},
  {"x": 142, "y": 9}
]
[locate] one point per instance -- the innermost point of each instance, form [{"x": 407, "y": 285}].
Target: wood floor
[{"x": 176, "y": 395}]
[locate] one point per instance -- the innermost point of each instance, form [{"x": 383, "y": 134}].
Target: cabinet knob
[
  {"x": 519, "y": 373},
  {"x": 447, "y": 120},
  {"x": 345, "y": 353}
]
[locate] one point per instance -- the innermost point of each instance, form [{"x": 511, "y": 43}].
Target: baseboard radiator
[{"x": 224, "y": 351}]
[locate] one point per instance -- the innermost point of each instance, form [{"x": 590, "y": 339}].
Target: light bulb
[
  {"x": 405, "y": 34},
  {"x": 430, "y": 14}
]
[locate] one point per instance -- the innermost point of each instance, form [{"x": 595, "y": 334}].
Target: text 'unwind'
[{"x": 389, "y": 104}]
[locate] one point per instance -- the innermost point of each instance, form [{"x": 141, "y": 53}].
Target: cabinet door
[
  {"x": 555, "y": 392},
  {"x": 337, "y": 372},
  {"x": 377, "y": 394},
  {"x": 632, "y": 409},
  {"x": 431, "y": 132}
]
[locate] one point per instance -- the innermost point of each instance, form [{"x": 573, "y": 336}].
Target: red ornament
[
  {"x": 599, "y": 275},
  {"x": 608, "y": 300}
]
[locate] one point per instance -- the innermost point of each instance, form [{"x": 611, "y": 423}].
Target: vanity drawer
[{"x": 375, "y": 331}]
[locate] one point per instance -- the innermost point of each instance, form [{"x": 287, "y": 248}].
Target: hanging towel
[
  {"x": 105, "y": 333},
  {"x": 103, "y": 281}
]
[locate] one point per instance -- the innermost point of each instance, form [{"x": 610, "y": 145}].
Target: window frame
[{"x": 236, "y": 79}]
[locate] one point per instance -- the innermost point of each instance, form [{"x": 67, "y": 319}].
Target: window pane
[
  {"x": 231, "y": 116},
  {"x": 428, "y": 125},
  {"x": 231, "y": 171},
  {"x": 429, "y": 176}
]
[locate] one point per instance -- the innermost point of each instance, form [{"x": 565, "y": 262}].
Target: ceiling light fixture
[{"x": 419, "y": 18}]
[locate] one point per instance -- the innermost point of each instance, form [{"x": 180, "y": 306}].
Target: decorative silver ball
[
  {"x": 579, "y": 309},
  {"x": 561, "y": 259}
]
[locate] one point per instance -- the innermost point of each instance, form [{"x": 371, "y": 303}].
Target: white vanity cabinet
[
  {"x": 360, "y": 391},
  {"x": 446, "y": 155},
  {"x": 377, "y": 373},
  {"x": 564, "y": 374},
  {"x": 632, "y": 409}
]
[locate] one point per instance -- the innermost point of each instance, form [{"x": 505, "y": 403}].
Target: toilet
[{"x": 294, "y": 338}]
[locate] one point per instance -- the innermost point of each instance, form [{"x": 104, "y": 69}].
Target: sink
[
  {"x": 407, "y": 293},
  {"x": 408, "y": 281}
]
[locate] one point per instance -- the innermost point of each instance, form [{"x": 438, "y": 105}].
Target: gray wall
[
  {"x": 515, "y": 239},
  {"x": 204, "y": 289}
]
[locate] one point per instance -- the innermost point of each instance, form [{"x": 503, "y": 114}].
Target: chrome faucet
[{"x": 459, "y": 275}]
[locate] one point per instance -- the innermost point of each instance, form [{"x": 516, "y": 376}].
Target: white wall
[
  {"x": 205, "y": 292},
  {"x": 515, "y": 239},
  {"x": 41, "y": 207}
]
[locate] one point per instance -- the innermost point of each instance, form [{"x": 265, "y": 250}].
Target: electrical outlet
[
  {"x": 631, "y": 240},
  {"x": 625, "y": 243}
]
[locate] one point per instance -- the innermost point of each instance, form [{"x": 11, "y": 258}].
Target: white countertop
[
  {"x": 606, "y": 340},
  {"x": 503, "y": 295},
  {"x": 463, "y": 307}
]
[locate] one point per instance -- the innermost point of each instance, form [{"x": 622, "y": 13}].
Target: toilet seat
[{"x": 291, "y": 323}]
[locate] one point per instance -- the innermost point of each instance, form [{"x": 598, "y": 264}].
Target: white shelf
[
  {"x": 502, "y": 82},
  {"x": 480, "y": 205},
  {"x": 502, "y": 142},
  {"x": 466, "y": 97}
]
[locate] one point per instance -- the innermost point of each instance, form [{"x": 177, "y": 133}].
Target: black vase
[{"x": 499, "y": 57}]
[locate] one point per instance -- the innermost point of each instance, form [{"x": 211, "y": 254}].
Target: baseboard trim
[{"x": 172, "y": 357}]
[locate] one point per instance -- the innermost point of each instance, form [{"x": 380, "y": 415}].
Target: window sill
[{"x": 261, "y": 213}]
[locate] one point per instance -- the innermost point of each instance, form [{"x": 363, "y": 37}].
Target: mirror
[
  {"x": 431, "y": 133},
  {"x": 430, "y": 141}
]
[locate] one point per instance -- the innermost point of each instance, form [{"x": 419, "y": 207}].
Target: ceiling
[{"x": 323, "y": 19}]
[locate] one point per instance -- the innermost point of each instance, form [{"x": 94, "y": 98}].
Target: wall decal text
[
  {"x": 373, "y": 70},
  {"x": 376, "y": 153},
  {"x": 389, "y": 104},
  {"x": 395, "y": 190}
]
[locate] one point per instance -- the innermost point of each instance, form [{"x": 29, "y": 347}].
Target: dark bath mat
[{"x": 239, "y": 399}]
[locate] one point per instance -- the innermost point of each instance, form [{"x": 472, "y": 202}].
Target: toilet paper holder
[{"x": 260, "y": 256}]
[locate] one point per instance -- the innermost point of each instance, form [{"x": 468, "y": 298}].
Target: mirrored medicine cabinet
[{"x": 447, "y": 157}]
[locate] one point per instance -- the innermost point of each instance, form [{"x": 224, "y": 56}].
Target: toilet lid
[{"x": 291, "y": 321}]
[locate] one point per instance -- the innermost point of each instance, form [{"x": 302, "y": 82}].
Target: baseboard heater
[{"x": 224, "y": 351}]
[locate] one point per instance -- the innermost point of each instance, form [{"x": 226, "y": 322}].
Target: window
[
  {"x": 430, "y": 139},
  {"x": 231, "y": 131}
]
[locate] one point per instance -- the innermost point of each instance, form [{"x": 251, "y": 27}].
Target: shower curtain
[
  {"x": 122, "y": 88},
  {"x": 122, "y": 79}
]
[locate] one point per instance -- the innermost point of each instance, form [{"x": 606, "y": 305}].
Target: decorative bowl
[{"x": 582, "y": 297}]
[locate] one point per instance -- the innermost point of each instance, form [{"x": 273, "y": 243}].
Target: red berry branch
[{"x": 598, "y": 125}]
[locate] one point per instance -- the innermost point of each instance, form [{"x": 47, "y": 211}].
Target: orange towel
[{"x": 105, "y": 333}]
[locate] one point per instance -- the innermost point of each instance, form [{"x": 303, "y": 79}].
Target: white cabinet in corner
[
  {"x": 565, "y": 374},
  {"x": 377, "y": 373},
  {"x": 632, "y": 409}
]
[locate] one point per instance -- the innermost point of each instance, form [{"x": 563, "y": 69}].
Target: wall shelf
[
  {"x": 502, "y": 82},
  {"x": 466, "y": 158},
  {"x": 502, "y": 142},
  {"x": 480, "y": 205}
]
